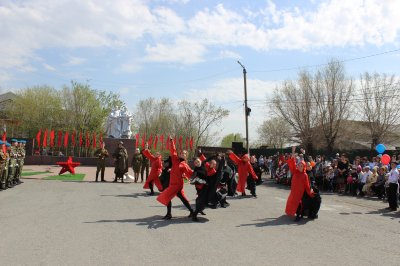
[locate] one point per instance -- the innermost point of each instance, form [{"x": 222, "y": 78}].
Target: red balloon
[{"x": 385, "y": 159}]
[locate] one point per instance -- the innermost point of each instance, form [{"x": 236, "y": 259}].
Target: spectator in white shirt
[
  {"x": 365, "y": 175},
  {"x": 393, "y": 188}
]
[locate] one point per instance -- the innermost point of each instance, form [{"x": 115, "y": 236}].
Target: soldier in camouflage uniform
[
  {"x": 13, "y": 166},
  {"x": 101, "y": 154},
  {"x": 20, "y": 160},
  {"x": 7, "y": 167},
  {"x": 3, "y": 158}
]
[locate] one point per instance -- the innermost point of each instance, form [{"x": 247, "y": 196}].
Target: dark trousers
[
  {"x": 379, "y": 190},
  {"x": 213, "y": 182},
  {"x": 201, "y": 200},
  {"x": 392, "y": 195},
  {"x": 100, "y": 169},
  {"x": 251, "y": 185},
  {"x": 144, "y": 167},
  {"x": 184, "y": 201}
]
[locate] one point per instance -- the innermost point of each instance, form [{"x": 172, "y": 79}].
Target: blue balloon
[{"x": 380, "y": 148}]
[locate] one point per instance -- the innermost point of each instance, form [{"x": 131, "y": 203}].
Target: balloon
[
  {"x": 380, "y": 148},
  {"x": 385, "y": 159}
]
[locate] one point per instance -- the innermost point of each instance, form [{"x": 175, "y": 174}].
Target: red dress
[
  {"x": 155, "y": 172},
  {"x": 179, "y": 171},
  {"x": 244, "y": 169},
  {"x": 300, "y": 183}
]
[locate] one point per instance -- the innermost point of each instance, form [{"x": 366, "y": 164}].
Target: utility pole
[{"x": 246, "y": 109}]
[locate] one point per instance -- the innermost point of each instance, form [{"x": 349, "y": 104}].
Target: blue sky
[{"x": 186, "y": 49}]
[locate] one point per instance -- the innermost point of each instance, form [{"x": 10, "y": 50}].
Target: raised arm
[
  {"x": 148, "y": 155},
  {"x": 234, "y": 157},
  {"x": 172, "y": 148}
]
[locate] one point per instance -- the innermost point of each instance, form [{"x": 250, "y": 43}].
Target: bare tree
[
  {"x": 292, "y": 103},
  {"x": 380, "y": 105},
  {"x": 331, "y": 92},
  {"x": 275, "y": 132}
]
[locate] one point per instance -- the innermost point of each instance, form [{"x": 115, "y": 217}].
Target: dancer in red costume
[
  {"x": 156, "y": 169},
  {"x": 180, "y": 170},
  {"x": 300, "y": 184},
  {"x": 244, "y": 169}
]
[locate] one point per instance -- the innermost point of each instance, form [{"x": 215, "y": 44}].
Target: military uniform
[
  {"x": 12, "y": 167},
  {"x": 3, "y": 159},
  {"x": 121, "y": 163},
  {"x": 6, "y": 167},
  {"x": 145, "y": 167},
  {"x": 101, "y": 155},
  {"x": 20, "y": 162}
]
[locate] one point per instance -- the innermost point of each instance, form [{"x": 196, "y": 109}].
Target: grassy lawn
[
  {"x": 67, "y": 177},
  {"x": 33, "y": 173}
]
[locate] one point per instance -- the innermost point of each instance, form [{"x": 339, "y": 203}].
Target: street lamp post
[{"x": 246, "y": 109}]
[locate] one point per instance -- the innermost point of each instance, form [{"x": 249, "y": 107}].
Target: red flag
[
  {"x": 80, "y": 139},
  {"x": 180, "y": 142},
  {"x": 94, "y": 140},
  {"x": 87, "y": 140},
  {"x": 162, "y": 141},
  {"x": 45, "y": 138},
  {"x": 38, "y": 136},
  {"x": 187, "y": 143},
  {"x": 150, "y": 141},
  {"x": 155, "y": 142},
  {"x": 143, "y": 140},
  {"x": 175, "y": 141},
  {"x": 101, "y": 138},
  {"x": 191, "y": 143},
  {"x": 137, "y": 140},
  {"x": 73, "y": 138},
  {"x": 4, "y": 139},
  {"x": 59, "y": 137},
  {"x": 52, "y": 136},
  {"x": 167, "y": 143},
  {"x": 66, "y": 139}
]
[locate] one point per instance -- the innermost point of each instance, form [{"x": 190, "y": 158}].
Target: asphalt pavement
[{"x": 86, "y": 223}]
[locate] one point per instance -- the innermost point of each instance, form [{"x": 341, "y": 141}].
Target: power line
[{"x": 318, "y": 65}]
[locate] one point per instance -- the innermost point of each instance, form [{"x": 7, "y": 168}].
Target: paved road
[{"x": 85, "y": 223}]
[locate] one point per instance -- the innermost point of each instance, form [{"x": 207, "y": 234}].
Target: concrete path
[{"x": 86, "y": 223}]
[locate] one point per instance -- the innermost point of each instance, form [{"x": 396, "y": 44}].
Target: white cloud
[
  {"x": 229, "y": 54},
  {"x": 33, "y": 25},
  {"x": 75, "y": 61},
  {"x": 49, "y": 67},
  {"x": 129, "y": 68},
  {"x": 183, "y": 50}
]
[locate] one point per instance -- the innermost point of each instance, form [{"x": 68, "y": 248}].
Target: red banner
[
  {"x": 59, "y": 137},
  {"x": 45, "y": 138},
  {"x": 80, "y": 139},
  {"x": 4, "y": 139},
  {"x": 167, "y": 143},
  {"x": 101, "y": 138},
  {"x": 150, "y": 141},
  {"x": 137, "y": 140},
  {"x": 186, "y": 143},
  {"x": 155, "y": 142},
  {"x": 52, "y": 136},
  {"x": 38, "y": 137},
  {"x": 73, "y": 138},
  {"x": 87, "y": 140},
  {"x": 143, "y": 140},
  {"x": 191, "y": 143},
  {"x": 94, "y": 140},
  {"x": 180, "y": 142},
  {"x": 162, "y": 141},
  {"x": 66, "y": 139}
]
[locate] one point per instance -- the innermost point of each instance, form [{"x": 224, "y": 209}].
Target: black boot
[
  {"x": 194, "y": 216},
  {"x": 168, "y": 216},
  {"x": 115, "y": 179}
]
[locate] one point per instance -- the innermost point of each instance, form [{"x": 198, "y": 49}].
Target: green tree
[{"x": 227, "y": 140}]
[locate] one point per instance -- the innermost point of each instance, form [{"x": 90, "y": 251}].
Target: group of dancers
[{"x": 210, "y": 176}]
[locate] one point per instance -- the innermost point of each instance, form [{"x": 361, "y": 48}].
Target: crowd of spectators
[{"x": 360, "y": 177}]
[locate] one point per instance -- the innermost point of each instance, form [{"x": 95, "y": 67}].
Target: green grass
[
  {"x": 67, "y": 177},
  {"x": 33, "y": 173}
]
